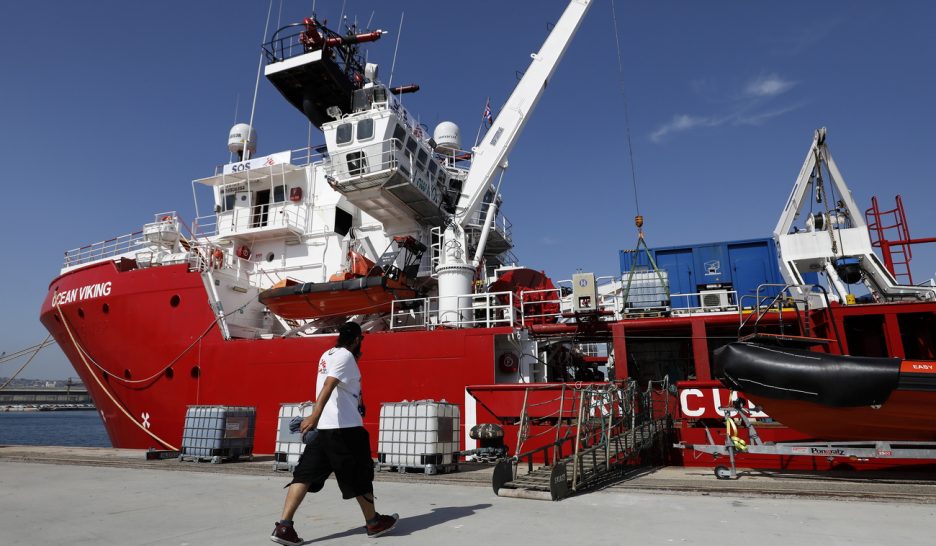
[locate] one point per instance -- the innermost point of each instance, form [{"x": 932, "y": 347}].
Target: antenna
[
  {"x": 236, "y": 108},
  {"x": 395, "y": 48},
  {"x": 253, "y": 105}
]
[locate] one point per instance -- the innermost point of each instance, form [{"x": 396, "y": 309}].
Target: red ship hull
[
  {"x": 148, "y": 346},
  {"x": 155, "y": 336}
]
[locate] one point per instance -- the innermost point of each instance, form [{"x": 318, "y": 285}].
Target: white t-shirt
[{"x": 341, "y": 411}]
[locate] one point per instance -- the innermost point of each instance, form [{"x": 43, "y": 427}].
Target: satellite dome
[
  {"x": 242, "y": 137},
  {"x": 447, "y": 136}
]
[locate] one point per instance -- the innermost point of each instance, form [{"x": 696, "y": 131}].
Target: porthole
[
  {"x": 105, "y": 309},
  {"x": 169, "y": 373},
  {"x": 105, "y": 377},
  {"x": 270, "y": 256},
  {"x": 81, "y": 312},
  {"x": 127, "y": 374},
  {"x": 175, "y": 300},
  {"x": 196, "y": 371}
]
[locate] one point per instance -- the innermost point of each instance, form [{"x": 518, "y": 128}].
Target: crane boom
[
  {"x": 455, "y": 269},
  {"x": 489, "y": 156}
]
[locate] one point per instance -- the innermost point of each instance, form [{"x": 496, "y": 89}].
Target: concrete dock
[{"x": 58, "y": 495}]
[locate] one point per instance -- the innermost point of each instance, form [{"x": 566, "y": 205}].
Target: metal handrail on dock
[{"x": 613, "y": 424}]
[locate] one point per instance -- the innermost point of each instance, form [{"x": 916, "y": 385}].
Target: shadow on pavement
[{"x": 409, "y": 524}]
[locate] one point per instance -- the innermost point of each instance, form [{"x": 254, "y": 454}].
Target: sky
[{"x": 111, "y": 108}]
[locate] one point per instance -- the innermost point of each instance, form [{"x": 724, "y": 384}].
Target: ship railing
[
  {"x": 362, "y": 167},
  {"x": 556, "y": 303},
  {"x": 501, "y": 225},
  {"x": 255, "y": 218},
  {"x": 164, "y": 229},
  {"x": 286, "y": 44},
  {"x": 702, "y": 303},
  {"x": 484, "y": 310},
  {"x": 537, "y": 306},
  {"x": 771, "y": 299},
  {"x": 122, "y": 244}
]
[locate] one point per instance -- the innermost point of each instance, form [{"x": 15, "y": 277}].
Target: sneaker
[
  {"x": 384, "y": 525},
  {"x": 285, "y": 534}
]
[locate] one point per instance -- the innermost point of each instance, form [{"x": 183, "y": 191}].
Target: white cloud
[
  {"x": 758, "y": 118},
  {"x": 746, "y": 108},
  {"x": 680, "y": 123},
  {"x": 768, "y": 86}
]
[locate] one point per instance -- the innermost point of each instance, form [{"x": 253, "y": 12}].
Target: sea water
[{"x": 53, "y": 428}]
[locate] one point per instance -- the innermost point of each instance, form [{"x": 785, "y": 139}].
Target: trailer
[{"x": 864, "y": 450}]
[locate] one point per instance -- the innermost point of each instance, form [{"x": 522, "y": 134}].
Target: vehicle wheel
[
  {"x": 722, "y": 473},
  {"x": 431, "y": 469}
]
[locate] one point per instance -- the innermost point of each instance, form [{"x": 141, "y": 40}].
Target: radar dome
[
  {"x": 242, "y": 137},
  {"x": 447, "y": 136}
]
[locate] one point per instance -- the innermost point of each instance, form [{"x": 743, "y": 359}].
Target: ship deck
[{"x": 115, "y": 496}]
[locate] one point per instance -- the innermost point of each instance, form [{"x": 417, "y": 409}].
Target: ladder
[
  {"x": 897, "y": 254},
  {"x": 615, "y": 426}
]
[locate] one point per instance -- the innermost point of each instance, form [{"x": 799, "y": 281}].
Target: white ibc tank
[
  {"x": 447, "y": 136},
  {"x": 241, "y": 137},
  {"x": 421, "y": 434}
]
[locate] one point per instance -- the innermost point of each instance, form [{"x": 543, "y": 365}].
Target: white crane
[
  {"x": 835, "y": 239},
  {"x": 455, "y": 269}
]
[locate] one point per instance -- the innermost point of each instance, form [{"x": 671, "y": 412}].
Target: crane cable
[{"x": 630, "y": 148}]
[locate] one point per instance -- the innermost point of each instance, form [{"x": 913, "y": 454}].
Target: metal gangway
[{"x": 600, "y": 429}]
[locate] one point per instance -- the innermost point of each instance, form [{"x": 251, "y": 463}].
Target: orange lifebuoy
[{"x": 217, "y": 258}]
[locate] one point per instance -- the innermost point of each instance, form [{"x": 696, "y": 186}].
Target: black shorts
[{"x": 344, "y": 451}]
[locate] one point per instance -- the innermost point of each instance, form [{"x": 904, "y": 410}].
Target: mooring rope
[
  {"x": 105, "y": 390},
  {"x": 37, "y": 348}
]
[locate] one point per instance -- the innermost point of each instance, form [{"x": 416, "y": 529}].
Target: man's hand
[{"x": 308, "y": 424}]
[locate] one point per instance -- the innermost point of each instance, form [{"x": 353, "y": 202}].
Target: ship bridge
[{"x": 261, "y": 197}]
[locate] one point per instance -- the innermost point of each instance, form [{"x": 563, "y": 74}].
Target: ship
[{"x": 401, "y": 229}]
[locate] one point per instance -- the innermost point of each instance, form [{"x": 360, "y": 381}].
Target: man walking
[{"x": 342, "y": 444}]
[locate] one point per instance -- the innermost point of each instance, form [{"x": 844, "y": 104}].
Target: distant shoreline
[{"x": 31, "y": 409}]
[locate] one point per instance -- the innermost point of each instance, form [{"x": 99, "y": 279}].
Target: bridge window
[
  {"x": 399, "y": 134},
  {"x": 365, "y": 129},
  {"x": 343, "y": 133},
  {"x": 433, "y": 167},
  {"x": 411, "y": 145},
  {"x": 422, "y": 157}
]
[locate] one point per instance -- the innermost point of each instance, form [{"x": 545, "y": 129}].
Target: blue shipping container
[{"x": 741, "y": 266}]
